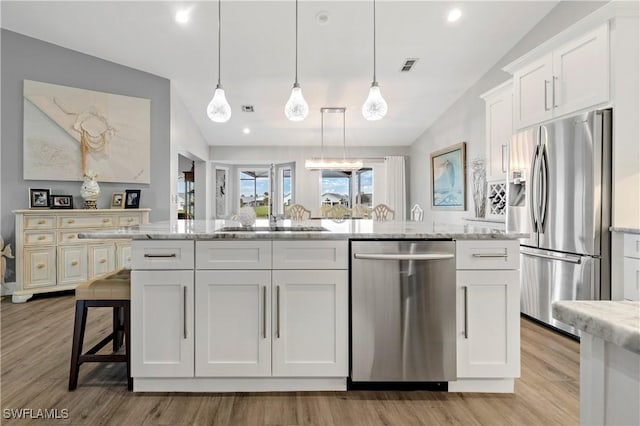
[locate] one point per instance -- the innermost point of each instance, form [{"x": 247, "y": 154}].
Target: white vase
[
  {"x": 90, "y": 190},
  {"x": 247, "y": 216}
]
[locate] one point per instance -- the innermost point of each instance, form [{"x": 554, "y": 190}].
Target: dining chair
[
  {"x": 338, "y": 212},
  {"x": 417, "y": 214},
  {"x": 298, "y": 212},
  {"x": 361, "y": 211},
  {"x": 382, "y": 212}
]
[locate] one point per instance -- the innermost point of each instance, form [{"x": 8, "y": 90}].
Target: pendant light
[
  {"x": 333, "y": 164},
  {"x": 218, "y": 109},
  {"x": 296, "y": 108},
  {"x": 375, "y": 107}
]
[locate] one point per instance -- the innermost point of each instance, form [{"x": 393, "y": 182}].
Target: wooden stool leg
[
  {"x": 127, "y": 333},
  {"x": 118, "y": 327},
  {"x": 78, "y": 339}
]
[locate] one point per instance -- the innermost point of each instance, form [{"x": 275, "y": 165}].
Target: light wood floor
[{"x": 36, "y": 346}]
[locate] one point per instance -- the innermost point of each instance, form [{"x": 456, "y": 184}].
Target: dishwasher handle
[{"x": 408, "y": 256}]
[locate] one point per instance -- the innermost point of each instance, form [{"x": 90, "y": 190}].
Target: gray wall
[
  {"x": 464, "y": 121},
  {"x": 27, "y": 58}
]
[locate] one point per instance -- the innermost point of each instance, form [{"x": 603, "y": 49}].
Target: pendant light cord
[
  {"x": 344, "y": 135},
  {"x": 322, "y": 136},
  {"x": 374, "y": 41},
  {"x": 219, "y": 36},
  {"x": 296, "y": 82}
]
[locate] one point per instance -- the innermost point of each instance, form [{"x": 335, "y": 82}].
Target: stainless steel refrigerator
[{"x": 559, "y": 191}]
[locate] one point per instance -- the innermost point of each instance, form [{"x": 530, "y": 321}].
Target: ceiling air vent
[
  {"x": 408, "y": 64},
  {"x": 247, "y": 108}
]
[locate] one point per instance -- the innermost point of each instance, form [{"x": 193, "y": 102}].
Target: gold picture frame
[{"x": 117, "y": 200}]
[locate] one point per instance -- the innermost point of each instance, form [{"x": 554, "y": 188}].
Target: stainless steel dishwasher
[{"x": 403, "y": 311}]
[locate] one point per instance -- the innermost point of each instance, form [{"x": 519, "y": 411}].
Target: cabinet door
[
  {"x": 72, "y": 264},
  {"x": 102, "y": 259},
  {"x": 123, "y": 256},
  {"x": 532, "y": 93},
  {"x": 162, "y": 319},
  {"x": 233, "y": 336},
  {"x": 39, "y": 266},
  {"x": 631, "y": 279},
  {"x": 488, "y": 324},
  {"x": 499, "y": 129},
  {"x": 581, "y": 72},
  {"x": 310, "y": 323}
]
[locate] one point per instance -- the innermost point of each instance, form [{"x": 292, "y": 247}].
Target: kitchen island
[
  {"x": 609, "y": 359},
  {"x": 218, "y": 307}
]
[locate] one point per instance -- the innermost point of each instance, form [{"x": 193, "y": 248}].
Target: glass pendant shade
[
  {"x": 218, "y": 109},
  {"x": 375, "y": 107},
  {"x": 296, "y": 108}
]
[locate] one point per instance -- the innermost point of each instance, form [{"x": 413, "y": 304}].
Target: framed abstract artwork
[
  {"x": 449, "y": 178},
  {"x": 69, "y": 131}
]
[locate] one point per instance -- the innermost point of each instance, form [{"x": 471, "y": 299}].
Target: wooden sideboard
[{"x": 51, "y": 257}]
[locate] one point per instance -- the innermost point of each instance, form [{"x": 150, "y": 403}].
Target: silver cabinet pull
[
  {"x": 184, "y": 312},
  {"x": 160, "y": 255},
  {"x": 553, "y": 92},
  {"x": 546, "y": 83},
  {"x": 264, "y": 312},
  {"x": 490, "y": 255},
  {"x": 278, "y": 311},
  {"x": 421, "y": 256},
  {"x": 466, "y": 316}
]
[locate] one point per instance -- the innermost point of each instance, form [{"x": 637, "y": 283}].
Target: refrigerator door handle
[
  {"x": 561, "y": 257},
  {"x": 544, "y": 177},
  {"x": 533, "y": 190}
]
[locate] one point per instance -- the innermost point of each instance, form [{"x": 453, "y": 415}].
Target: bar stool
[{"x": 110, "y": 290}]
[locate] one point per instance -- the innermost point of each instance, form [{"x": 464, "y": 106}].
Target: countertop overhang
[
  {"x": 617, "y": 322},
  {"x": 335, "y": 230}
]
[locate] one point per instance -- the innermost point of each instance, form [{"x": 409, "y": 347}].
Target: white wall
[
  {"x": 187, "y": 141},
  {"x": 464, "y": 120},
  {"x": 307, "y": 183}
]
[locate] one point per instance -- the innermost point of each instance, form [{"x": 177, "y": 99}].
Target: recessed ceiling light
[
  {"x": 454, "y": 15},
  {"x": 246, "y": 130},
  {"x": 322, "y": 17},
  {"x": 182, "y": 16}
]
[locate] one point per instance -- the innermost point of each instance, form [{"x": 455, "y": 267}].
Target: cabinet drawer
[
  {"x": 39, "y": 222},
  {"x": 36, "y": 238},
  {"x": 128, "y": 220},
  {"x": 631, "y": 279},
  {"x": 86, "y": 222},
  {"x": 68, "y": 237},
  {"x": 483, "y": 254},
  {"x": 162, "y": 254},
  {"x": 310, "y": 255},
  {"x": 233, "y": 255},
  {"x": 632, "y": 245}
]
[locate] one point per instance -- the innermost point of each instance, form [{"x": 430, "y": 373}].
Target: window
[
  {"x": 347, "y": 188},
  {"x": 254, "y": 190}
]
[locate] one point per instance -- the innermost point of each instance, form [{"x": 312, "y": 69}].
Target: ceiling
[{"x": 258, "y": 47}]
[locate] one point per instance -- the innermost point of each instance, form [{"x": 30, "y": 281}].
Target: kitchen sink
[{"x": 275, "y": 228}]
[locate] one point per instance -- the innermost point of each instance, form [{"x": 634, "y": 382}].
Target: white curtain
[{"x": 396, "y": 189}]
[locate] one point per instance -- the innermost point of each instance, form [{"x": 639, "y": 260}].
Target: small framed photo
[
  {"x": 62, "y": 201},
  {"x": 132, "y": 199},
  {"x": 117, "y": 200},
  {"x": 39, "y": 198}
]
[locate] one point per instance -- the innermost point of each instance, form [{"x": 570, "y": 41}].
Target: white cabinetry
[
  {"x": 488, "y": 316},
  {"x": 162, "y": 323},
  {"x": 499, "y": 127},
  {"x": 631, "y": 267},
  {"x": 51, "y": 257},
  {"x": 311, "y": 322},
  {"x": 572, "y": 77}
]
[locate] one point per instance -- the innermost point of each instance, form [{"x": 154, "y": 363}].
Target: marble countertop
[
  {"x": 335, "y": 230},
  {"x": 625, "y": 230},
  {"x": 617, "y": 322}
]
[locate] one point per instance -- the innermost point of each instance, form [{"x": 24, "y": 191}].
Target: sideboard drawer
[
  {"x": 39, "y": 238},
  {"x": 483, "y": 254},
  {"x": 162, "y": 254},
  {"x": 65, "y": 237},
  {"x": 39, "y": 222},
  {"x": 86, "y": 222},
  {"x": 128, "y": 220},
  {"x": 310, "y": 254},
  {"x": 233, "y": 254}
]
